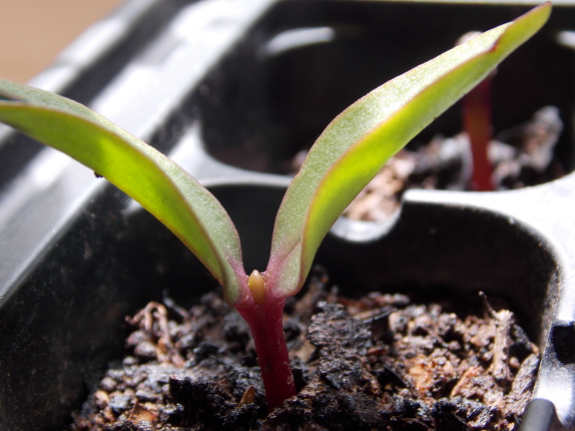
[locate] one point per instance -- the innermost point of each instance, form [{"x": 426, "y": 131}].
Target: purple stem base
[{"x": 266, "y": 325}]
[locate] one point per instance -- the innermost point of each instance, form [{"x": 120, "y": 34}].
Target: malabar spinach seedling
[
  {"x": 477, "y": 124},
  {"x": 350, "y": 151}
]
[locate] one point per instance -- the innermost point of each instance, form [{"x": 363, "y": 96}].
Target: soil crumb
[{"x": 379, "y": 362}]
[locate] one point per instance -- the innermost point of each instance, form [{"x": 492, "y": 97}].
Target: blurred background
[{"x": 33, "y": 32}]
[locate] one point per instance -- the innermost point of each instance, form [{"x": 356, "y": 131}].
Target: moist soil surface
[{"x": 379, "y": 362}]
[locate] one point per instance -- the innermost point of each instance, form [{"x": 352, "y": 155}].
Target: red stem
[
  {"x": 266, "y": 325},
  {"x": 477, "y": 123}
]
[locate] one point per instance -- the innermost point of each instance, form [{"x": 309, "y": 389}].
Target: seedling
[
  {"x": 478, "y": 126},
  {"x": 350, "y": 151}
]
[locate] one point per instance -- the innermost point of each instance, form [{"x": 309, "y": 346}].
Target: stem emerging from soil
[
  {"x": 266, "y": 325},
  {"x": 477, "y": 124}
]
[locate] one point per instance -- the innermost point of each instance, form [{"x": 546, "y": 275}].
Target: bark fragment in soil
[{"x": 378, "y": 362}]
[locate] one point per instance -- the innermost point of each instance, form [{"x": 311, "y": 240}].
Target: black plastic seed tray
[{"x": 232, "y": 90}]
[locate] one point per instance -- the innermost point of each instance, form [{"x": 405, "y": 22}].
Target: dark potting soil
[{"x": 379, "y": 362}]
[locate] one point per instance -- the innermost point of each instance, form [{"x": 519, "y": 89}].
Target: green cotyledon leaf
[
  {"x": 161, "y": 186},
  {"x": 357, "y": 143}
]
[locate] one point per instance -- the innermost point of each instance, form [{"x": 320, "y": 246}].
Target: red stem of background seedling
[
  {"x": 477, "y": 123},
  {"x": 266, "y": 324}
]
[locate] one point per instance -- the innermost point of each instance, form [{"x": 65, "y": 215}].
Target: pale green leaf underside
[
  {"x": 161, "y": 186},
  {"x": 356, "y": 145}
]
